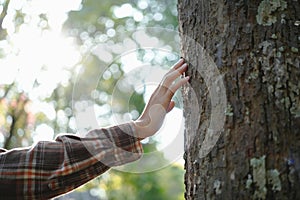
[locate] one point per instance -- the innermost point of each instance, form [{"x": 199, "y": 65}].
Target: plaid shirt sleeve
[{"x": 51, "y": 168}]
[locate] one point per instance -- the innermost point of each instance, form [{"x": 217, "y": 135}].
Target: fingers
[
  {"x": 173, "y": 88},
  {"x": 179, "y": 63},
  {"x": 173, "y": 74}
]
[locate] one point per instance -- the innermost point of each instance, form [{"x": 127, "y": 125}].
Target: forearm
[{"x": 52, "y": 168}]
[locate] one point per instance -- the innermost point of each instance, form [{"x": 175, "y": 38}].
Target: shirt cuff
[{"x": 120, "y": 144}]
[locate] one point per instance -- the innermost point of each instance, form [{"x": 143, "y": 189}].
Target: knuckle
[
  {"x": 167, "y": 76},
  {"x": 166, "y": 79}
]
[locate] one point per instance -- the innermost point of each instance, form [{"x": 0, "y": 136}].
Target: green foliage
[
  {"x": 137, "y": 102},
  {"x": 166, "y": 183},
  {"x": 162, "y": 184},
  {"x": 93, "y": 80}
]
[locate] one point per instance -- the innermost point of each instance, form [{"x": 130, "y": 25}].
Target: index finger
[
  {"x": 179, "y": 63},
  {"x": 173, "y": 74}
]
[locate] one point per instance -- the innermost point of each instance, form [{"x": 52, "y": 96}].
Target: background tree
[{"x": 255, "y": 47}]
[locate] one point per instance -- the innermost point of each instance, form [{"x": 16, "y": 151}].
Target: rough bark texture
[{"x": 255, "y": 46}]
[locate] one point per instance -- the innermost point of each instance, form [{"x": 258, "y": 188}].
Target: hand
[{"x": 160, "y": 101}]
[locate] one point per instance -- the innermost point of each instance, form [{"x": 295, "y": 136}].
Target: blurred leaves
[
  {"x": 162, "y": 184},
  {"x": 103, "y": 31},
  {"x": 166, "y": 183}
]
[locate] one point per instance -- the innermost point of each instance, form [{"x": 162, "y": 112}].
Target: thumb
[{"x": 171, "y": 106}]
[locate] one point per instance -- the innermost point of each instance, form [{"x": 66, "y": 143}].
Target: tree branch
[{"x": 3, "y": 14}]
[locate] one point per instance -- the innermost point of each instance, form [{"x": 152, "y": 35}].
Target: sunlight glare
[
  {"x": 36, "y": 54},
  {"x": 39, "y": 59},
  {"x": 43, "y": 132},
  {"x": 125, "y": 10}
]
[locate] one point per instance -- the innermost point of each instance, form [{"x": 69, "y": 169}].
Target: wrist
[{"x": 142, "y": 129}]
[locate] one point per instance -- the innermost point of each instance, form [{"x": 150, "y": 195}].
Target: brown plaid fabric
[{"x": 51, "y": 168}]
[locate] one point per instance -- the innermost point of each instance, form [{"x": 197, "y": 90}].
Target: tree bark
[{"x": 254, "y": 50}]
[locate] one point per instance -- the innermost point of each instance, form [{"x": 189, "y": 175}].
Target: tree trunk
[{"x": 242, "y": 107}]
